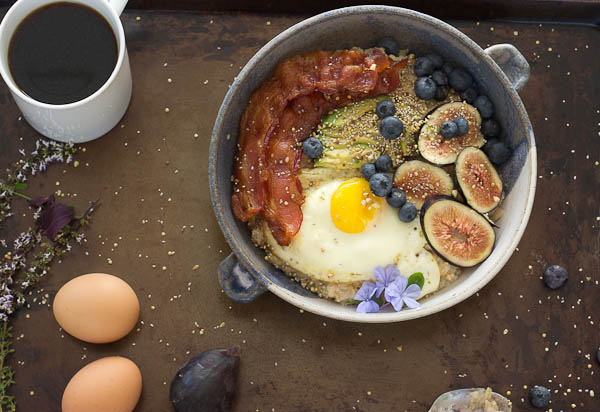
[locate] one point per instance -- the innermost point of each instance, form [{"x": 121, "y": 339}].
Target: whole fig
[{"x": 207, "y": 382}]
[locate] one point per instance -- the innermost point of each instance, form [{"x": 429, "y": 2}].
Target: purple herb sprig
[
  {"x": 23, "y": 265},
  {"x": 398, "y": 290},
  {"x": 46, "y": 152}
]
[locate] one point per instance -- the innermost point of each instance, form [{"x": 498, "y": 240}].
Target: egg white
[{"x": 328, "y": 254}]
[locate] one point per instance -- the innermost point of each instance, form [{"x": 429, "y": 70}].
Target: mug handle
[
  {"x": 118, "y": 5},
  {"x": 512, "y": 63},
  {"x": 237, "y": 282}
]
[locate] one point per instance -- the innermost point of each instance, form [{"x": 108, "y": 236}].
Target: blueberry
[
  {"x": 396, "y": 198},
  {"x": 436, "y": 60},
  {"x": 460, "y": 79},
  {"x": 440, "y": 78},
  {"x": 498, "y": 153},
  {"x": 380, "y": 184},
  {"x": 448, "y": 130},
  {"x": 389, "y": 44},
  {"x": 385, "y": 108},
  {"x": 490, "y": 128},
  {"x": 407, "y": 212},
  {"x": 486, "y": 147},
  {"x": 368, "y": 170},
  {"x": 441, "y": 92},
  {"x": 423, "y": 66},
  {"x": 462, "y": 125},
  {"x": 555, "y": 276},
  {"x": 447, "y": 68},
  {"x": 384, "y": 163},
  {"x": 539, "y": 396},
  {"x": 391, "y": 127},
  {"x": 485, "y": 106},
  {"x": 425, "y": 88},
  {"x": 469, "y": 95},
  {"x": 312, "y": 147}
]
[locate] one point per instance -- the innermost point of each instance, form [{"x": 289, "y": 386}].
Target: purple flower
[
  {"x": 398, "y": 294},
  {"x": 385, "y": 277},
  {"x": 364, "y": 294}
]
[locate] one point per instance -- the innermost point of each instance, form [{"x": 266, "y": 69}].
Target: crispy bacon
[
  {"x": 281, "y": 113},
  {"x": 283, "y": 189},
  {"x": 258, "y": 122}
]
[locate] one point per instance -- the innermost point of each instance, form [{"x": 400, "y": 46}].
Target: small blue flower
[
  {"x": 364, "y": 294},
  {"x": 398, "y": 294},
  {"x": 385, "y": 277}
]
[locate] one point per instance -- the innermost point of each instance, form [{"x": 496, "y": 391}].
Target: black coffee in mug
[{"x": 62, "y": 53}]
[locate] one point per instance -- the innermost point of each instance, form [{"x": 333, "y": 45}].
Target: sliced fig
[
  {"x": 478, "y": 180},
  {"x": 420, "y": 180},
  {"x": 442, "y": 151},
  {"x": 456, "y": 232}
]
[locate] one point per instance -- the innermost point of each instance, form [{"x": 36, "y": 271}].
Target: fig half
[
  {"x": 420, "y": 180},
  {"x": 456, "y": 232},
  {"x": 206, "y": 382},
  {"x": 439, "y": 150},
  {"x": 478, "y": 180}
]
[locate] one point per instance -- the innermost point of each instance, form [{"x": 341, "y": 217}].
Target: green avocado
[
  {"x": 350, "y": 137},
  {"x": 346, "y": 114}
]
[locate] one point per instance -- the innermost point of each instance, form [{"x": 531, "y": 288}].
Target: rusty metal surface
[
  {"x": 515, "y": 332},
  {"x": 583, "y": 11}
]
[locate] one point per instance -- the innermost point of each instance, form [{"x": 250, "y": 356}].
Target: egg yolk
[{"x": 353, "y": 206}]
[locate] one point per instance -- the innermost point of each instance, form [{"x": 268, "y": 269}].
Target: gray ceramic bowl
[{"x": 500, "y": 71}]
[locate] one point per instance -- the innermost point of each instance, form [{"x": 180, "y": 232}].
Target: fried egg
[{"x": 347, "y": 232}]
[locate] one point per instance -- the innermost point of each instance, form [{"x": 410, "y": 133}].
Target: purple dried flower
[
  {"x": 364, "y": 294},
  {"x": 398, "y": 294},
  {"x": 385, "y": 277}
]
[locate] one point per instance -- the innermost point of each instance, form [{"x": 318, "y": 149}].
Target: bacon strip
[{"x": 281, "y": 113}]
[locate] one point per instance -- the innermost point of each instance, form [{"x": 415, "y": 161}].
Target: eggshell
[
  {"x": 112, "y": 384},
  {"x": 96, "y": 308}
]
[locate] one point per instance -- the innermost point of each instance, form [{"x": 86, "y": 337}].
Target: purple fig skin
[
  {"x": 207, "y": 382},
  {"x": 422, "y": 213},
  {"x": 464, "y": 188}
]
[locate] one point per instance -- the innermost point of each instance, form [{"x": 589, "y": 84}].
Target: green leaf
[
  {"x": 352, "y": 302},
  {"x": 416, "y": 278},
  {"x": 378, "y": 300},
  {"x": 21, "y": 186}
]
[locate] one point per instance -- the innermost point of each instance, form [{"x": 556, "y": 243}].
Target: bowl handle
[
  {"x": 237, "y": 282},
  {"x": 512, "y": 63}
]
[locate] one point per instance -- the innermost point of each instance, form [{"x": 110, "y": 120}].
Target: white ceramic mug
[{"x": 86, "y": 119}]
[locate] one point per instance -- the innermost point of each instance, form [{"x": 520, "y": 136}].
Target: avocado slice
[
  {"x": 351, "y": 137},
  {"x": 351, "y": 112}
]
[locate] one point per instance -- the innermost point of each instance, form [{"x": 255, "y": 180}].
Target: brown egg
[
  {"x": 96, "y": 308},
  {"x": 112, "y": 384}
]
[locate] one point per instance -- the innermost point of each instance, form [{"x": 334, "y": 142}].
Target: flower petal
[
  {"x": 392, "y": 292},
  {"x": 410, "y": 302},
  {"x": 379, "y": 287},
  {"x": 367, "y": 306},
  {"x": 379, "y": 273},
  {"x": 401, "y": 282},
  {"x": 366, "y": 291},
  {"x": 397, "y": 303},
  {"x": 392, "y": 272},
  {"x": 412, "y": 291}
]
